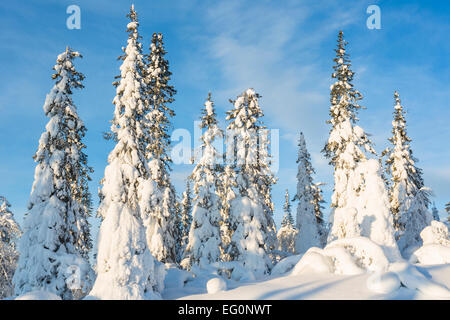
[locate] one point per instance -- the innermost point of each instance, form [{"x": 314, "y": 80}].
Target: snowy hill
[{"x": 311, "y": 286}]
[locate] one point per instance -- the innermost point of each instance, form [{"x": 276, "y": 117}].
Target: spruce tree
[
  {"x": 126, "y": 269},
  {"x": 310, "y": 225},
  {"x": 251, "y": 221},
  {"x": 287, "y": 233},
  {"x": 160, "y": 216},
  {"x": 408, "y": 196},
  {"x": 204, "y": 237},
  {"x": 447, "y": 208},
  {"x": 226, "y": 193},
  {"x": 347, "y": 141},
  {"x": 185, "y": 218},
  {"x": 435, "y": 212},
  {"x": 56, "y": 236},
  {"x": 9, "y": 235}
]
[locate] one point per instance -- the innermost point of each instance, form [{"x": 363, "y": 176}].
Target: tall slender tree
[
  {"x": 310, "y": 224},
  {"x": 287, "y": 233},
  {"x": 346, "y": 143},
  {"x": 226, "y": 193},
  {"x": 185, "y": 217},
  {"x": 160, "y": 218},
  {"x": 204, "y": 237},
  {"x": 9, "y": 235},
  {"x": 56, "y": 237},
  {"x": 251, "y": 221},
  {"x": 126, "y": 269},
  {"x": 408, "y": 196},
  {"x": 435, "y": 212},
  {"x": 447, "y": 208}
]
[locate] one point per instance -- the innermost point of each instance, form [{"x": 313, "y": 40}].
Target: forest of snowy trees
[{"x": 224, "y": 219}]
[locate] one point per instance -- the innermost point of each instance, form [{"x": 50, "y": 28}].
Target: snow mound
[
  {"x": 383, "y": 283},
  {"x": 348, "y": 256},
  {"x": 285, "y": 265},
  {"x": 436, "y": 245},
  {"x": 431, "y": 254},
  {"x": 176, "y": 278},
  {"x": 436, "y": 233},
  {"x": 216, "y": 285},
  {"x": 38, "y": 295},
  {"x": 411, "y": 277}
]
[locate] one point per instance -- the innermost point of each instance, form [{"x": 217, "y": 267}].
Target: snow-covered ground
[{"x": 311, "y": 286}]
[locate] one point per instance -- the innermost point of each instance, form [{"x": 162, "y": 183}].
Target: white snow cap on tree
[
  {"x": 251, "y": 221},
  {"x": 409, "y": 199},
  {"x": 346, "y": 140},
  {"x": 126, "y": 269},
  {"x": 9, "y": 235},
  {"x": 310, "y": 224},
  {"x": 56, "y": 233},
  {"x": 204, "y": 237}
]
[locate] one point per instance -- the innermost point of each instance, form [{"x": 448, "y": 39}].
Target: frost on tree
[
  {"x": 226, "y": 193},
  {"x": 447, "y": 209},
  {"x": 409, "y": 198},
  {"x": 160, "y": 216},
  {"x": 9, "y": 235},
  {"x": 310, "y": 224},
  {"x": 250, "y": 218},
  {"x": 346, "y": 144},
  {"x": 287, "y": 233},
  {"x": 126, "y": 269},
  {"x": 56, "y": 240},
  {"x": 435, "y": 213},
  {"x": 185, "y": 219},
  {"x": 204, "y": 237}
]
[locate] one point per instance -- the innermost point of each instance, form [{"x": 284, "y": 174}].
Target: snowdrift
[
  {"x": 359, "y": 255},
  {"x": 436, "y": 245}
]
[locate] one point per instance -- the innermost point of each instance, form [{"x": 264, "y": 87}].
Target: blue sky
[{"x": 283, "y": 49}]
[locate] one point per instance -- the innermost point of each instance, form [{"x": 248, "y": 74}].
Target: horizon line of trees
[{"x": 225, "y": 220}]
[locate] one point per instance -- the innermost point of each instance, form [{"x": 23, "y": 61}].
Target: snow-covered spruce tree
[
  {"x": 345, "y": 143},
  {"x": 9, "y": 235},
  {"x": 447, "y": 208},
  {"x": 226, "y": 193},
  {"x": 53, "y": 249},
  {"x": 160, "y": 215},
  {"x": 126, "y": 269},
  {"x": 310, "y": 224},
  {"x": 185, "y": 218},
  {"x": 287, "y": 233},
  {"x": 435, "y": 212},
  {"x": 204, "y": 236},
  {"x": 251, "y": 222},
  {"x": 408, "y": 196}
]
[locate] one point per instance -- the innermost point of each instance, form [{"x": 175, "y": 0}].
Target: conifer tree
[
  {"x": 310, "y": 225},
  {"x": 56, "y": 236},
  {"x": 226, "y": 193},
  {"x": 251, "y": 222},
  {"x": 447, "y": 208},
  {"x": 126, "y": 269},
  {"x": 185, "y": 217},
  {"x": 287, "y": 233},
  {"x": 204, "y": 237},
  {"x": 9, "y": 235},
  {"x": 160, "y": 215},
  {"x": 408, "y": 197},
  {"x": 435, "y": 212},
  {"x": 347, "y": 141}
]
